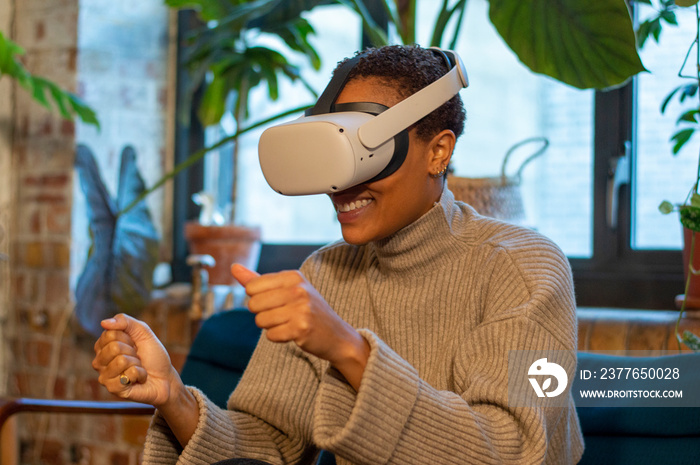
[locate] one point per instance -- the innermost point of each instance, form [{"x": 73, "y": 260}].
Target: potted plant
[
  {"x": 212, "y": 234},
  {"x": 225, "y": 53},
  {"x": 687, "y": 124}
]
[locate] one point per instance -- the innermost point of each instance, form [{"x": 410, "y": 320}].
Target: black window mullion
[
  {"x": 189, "y": 137},
  {"x": 617, "y": 275}
]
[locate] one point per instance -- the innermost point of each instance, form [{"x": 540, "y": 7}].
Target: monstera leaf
[
  {"x": 118, "y": 275},
  {"x": 586, "y": 44}
]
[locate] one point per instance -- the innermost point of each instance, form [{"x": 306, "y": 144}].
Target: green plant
[
  {"x": 67, "y": 103},
  {"x": 583, "y": 44},
  {"x": 227, "y": 55},
  {"x": 687, "y": 124}
]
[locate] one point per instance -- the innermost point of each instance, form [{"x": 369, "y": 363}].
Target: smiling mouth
[{"x": 348, "y": 207}]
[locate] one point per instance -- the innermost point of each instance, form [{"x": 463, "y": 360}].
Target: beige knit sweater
[{"x": 441, "y": 303}]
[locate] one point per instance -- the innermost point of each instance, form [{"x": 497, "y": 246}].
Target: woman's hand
[
  {"x": 291, "y": 309},
  {"x": 128, "y": 350},
  {"x": 128, "y": 347}
]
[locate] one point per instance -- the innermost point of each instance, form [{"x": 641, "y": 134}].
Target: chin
[
  {"x": 355, "y": 238},
  {"x": 352, "y": 240}
]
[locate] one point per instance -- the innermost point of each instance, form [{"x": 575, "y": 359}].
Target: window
[{"x": 595, "y": 191}]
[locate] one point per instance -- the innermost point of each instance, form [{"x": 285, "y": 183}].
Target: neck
[{"x": 419, "y": 245}]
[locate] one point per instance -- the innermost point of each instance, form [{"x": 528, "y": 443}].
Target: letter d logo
[{"x": 543, "y": 367}]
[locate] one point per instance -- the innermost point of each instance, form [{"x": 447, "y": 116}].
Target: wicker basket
[{"x": 499, "y": 196}]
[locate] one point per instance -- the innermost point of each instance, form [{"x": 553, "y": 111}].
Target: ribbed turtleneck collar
[{"x": 419, "y": 245}]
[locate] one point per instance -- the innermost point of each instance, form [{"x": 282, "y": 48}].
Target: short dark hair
[{"x": 408, "y": 69}]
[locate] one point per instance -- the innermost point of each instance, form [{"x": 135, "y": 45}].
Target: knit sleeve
[
  {"x": 268, "y": 415},
  {"x": 398, "y": 418},
  {"x": 220, "y": 434}
]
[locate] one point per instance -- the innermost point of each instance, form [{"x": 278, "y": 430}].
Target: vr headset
[{"x": 337, "y": 146}]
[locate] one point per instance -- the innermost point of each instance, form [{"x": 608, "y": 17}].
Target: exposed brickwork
[{"x": 49, "y": 355}]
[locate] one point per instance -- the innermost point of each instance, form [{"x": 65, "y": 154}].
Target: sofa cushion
[{"x": 220, "y": 353}]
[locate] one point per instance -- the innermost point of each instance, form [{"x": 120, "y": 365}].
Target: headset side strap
[{"x": 405, "y": 113}]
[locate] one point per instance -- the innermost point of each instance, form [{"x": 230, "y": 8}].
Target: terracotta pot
[
  {"x": 693, "y": 300},
  {"x": 228, "y": 244}
]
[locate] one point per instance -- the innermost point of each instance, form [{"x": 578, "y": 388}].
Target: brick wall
[
  {"x": 42, "y": 173},
  {"x": 47, "y": 354},
  {"x": 42, "y": 156}
]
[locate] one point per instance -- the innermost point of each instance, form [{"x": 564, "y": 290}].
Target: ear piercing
[{"x": 440, "y": 173}]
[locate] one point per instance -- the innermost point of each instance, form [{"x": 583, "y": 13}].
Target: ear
[{"x": 440, "y": 151}]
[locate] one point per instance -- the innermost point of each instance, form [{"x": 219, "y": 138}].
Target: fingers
[
  {"x": 270, "y": 290},
  {"x": 136, "y": 329},
  {"x": 135, "y": 374},
  {"x": 270, "y": 319},
  {"x": 118, "y": 364},
  {"x": 115, "y": 356},
  {"x": 242, "y": 274},
  {"x": 270, "y": 281},
  {"x": 118, "y": 322},
  {"x": 277, "y": 298},
  {"x": 282, "y": 333},
  {"x": 121, "y": 345},
  {"x": 109, "y": 336},
  {"x": 127, "y": 365},
  {"x": 116, "y": 353}
]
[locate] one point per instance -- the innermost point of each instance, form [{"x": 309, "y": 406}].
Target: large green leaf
[
  {"x": 583, "y": 43},
  {"x": 67, "y": 103}
]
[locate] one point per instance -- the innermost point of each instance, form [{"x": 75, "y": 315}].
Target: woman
[{"x": 390, "y": 346}]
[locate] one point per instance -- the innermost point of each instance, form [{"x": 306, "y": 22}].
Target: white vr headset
[{"x": 337, "y": 146}]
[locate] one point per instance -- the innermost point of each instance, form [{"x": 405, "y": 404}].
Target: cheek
[{"x": 399, "y": 205}]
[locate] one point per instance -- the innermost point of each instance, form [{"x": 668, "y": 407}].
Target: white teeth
[{"x": 348, "y": 207}]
